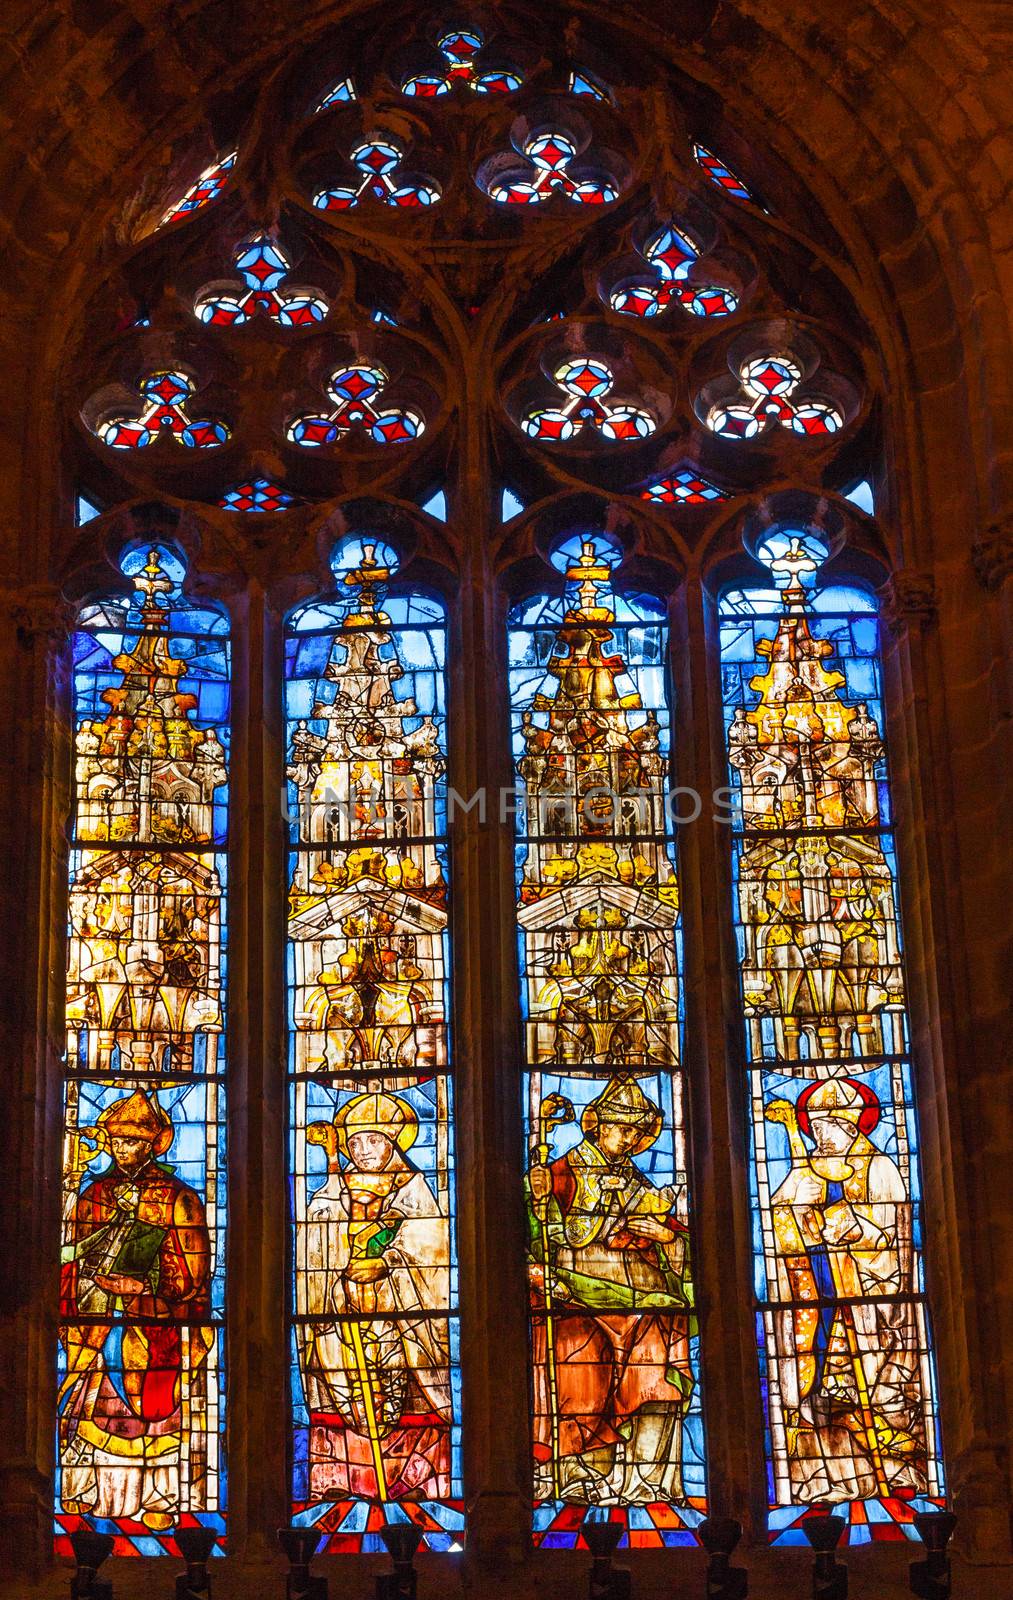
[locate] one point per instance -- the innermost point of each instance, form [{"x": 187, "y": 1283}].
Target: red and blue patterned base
[
  {"x": 559, "y": 1526},
  {"x": 869, "y": 1521},
  {"x": 352, "y": 1527},
  {"x": 132, "y": 1538}
]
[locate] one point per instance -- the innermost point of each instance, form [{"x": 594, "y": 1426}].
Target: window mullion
[
  {"x": 257, "y": 1364},
  {"x": 35, "y": 659},
  {"x": 491, "y": 1219}
]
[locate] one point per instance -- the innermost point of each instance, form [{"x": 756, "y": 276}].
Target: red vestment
[
  {"x": 608, "y": 1363},
  {"x": 175, "y": 1290}
]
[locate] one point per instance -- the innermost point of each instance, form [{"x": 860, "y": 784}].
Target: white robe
[{"x": 416, "y": 1284}]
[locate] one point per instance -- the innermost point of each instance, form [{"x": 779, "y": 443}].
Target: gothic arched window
[{"x": 474, "y": 376}]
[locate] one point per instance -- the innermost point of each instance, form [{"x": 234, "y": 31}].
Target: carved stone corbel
[
  {"x": 992, "y": 555},
  {"x": 37, "y": 610},
  {"x": 909, "y": 597}
]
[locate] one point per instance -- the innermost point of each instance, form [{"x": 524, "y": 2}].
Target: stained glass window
[
  {"x": 264, "y": 266},
  {"x": 142, "y": 1298},
  {"x": 355, "y": 394},
  {"x": 510, "y": 505},
  {"x": 586, "y": 384},
  {"x": 837, "y": 1218},
  {"x": 585, "y": 83},
  {"x": 375, "y": 1361},
  {"x": 339, "y": 93},
  {"x": 672, "y": 254},
  {"x": 256, "y": 494},
  {"x": 207, "y": 188},
  {"x": 310, "y": 403},
  {"x": 379, "y": 178},
  {"x": 551, "y": 167},
  {"x": 767, "y": 398},
  {"x": 85, "y": 509},
  {"x": 163, "y": 412},
  {"x": 682, "y": 488},
  {"x": 861, "y": 495},
  {"x": 436, "y": 505},
  {"x": 460, "y": 50},
  {"x": 719, "y": 173},
  {"x": 617, "y": 1428}
]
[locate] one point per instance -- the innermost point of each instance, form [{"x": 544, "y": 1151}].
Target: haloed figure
[
  {"x": 377, "y": 1380},
  {"x": 850, "y": 1369},
  {"x": 136, "y": 1268},
  {"x": 612, "y": 1361}
]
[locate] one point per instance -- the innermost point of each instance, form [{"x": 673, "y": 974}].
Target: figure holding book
[{"x": 135, "y": 1293}]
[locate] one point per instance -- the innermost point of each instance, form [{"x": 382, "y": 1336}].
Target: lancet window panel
[
  {"x": 845, "y": 1349},
  {"x": 616, "y": 1408},
  {"x": 375, "y": 1344},
  {"x": 141, "y": 1383}
]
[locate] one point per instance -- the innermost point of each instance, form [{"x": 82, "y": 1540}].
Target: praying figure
[
  {"x": 851, "y": 1352},
  {"x": 135, "y": 1286},
  {"x": 613, "y": 1316},
  {"x": 377, "y": 1249}
]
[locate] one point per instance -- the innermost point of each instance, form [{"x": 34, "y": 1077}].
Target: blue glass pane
[
  {"x": 862, "y": 496},
  {"x": 511, "y": 506},
  {"x": 85, "y": 510},
  {"x": 436, "y": 505}
]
